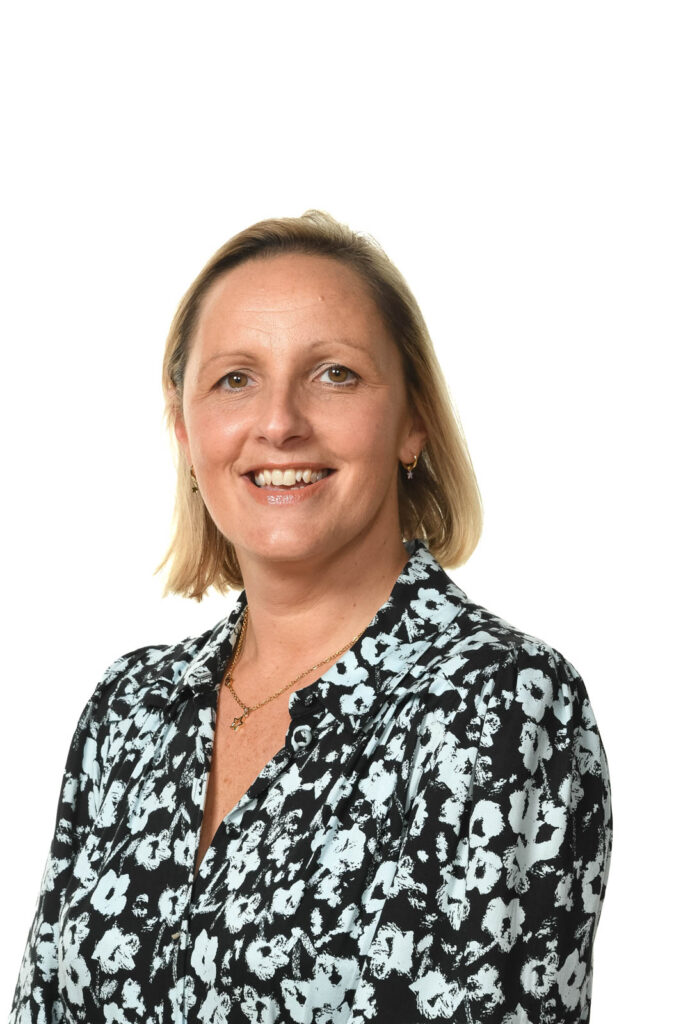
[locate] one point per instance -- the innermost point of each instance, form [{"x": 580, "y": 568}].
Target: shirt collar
[{"x": 423, "y": 602}]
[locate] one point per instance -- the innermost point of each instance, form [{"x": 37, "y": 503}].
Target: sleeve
[
  {"x": 525, "y": 886},
  {"x": 36, "y": 993}
]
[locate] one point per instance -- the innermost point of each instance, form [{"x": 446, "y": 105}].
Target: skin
[{"x": 314, "y": 572}]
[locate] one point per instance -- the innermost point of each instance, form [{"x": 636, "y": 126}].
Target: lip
[{"x": 286, "y": 496}]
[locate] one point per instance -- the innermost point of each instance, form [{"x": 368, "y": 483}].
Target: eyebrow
[{"x": 321, "y": 343}]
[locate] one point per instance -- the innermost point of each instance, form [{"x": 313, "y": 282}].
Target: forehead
[{"x": 295, "y": 293}]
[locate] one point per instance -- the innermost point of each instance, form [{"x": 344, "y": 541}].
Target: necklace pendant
[{"x": 237, "y": 722}]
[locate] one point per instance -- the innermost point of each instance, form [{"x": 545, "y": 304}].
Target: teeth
[{"x": 288, "y": 477}]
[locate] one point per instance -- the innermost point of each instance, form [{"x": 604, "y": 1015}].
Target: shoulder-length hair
[{"x": 441, "y": 504}]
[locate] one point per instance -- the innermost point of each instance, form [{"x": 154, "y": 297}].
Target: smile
[
  {"x": 288, "y": 494},
  {"x": 287, "y": 478}
]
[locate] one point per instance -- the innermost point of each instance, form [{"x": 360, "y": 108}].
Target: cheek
[
  {"x": 372, "y": 446},
  {"x": 381, "y": 428},
  {"x": 212, "y": 435},
  {"x": 372, "y": 423}
]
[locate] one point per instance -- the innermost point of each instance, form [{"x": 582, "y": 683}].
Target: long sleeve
[
  {"x": 431, "y": 842},
  {"x": 524, "y": 889},
  {"x": 36, "y": 995}
]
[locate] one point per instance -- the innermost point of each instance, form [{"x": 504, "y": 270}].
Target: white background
[{"x": 521, "y": 163}]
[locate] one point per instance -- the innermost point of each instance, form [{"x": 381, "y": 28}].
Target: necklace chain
[{"x": 238, "y": 721}]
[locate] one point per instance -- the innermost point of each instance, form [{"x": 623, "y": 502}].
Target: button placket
[
  {"x": 305, "y": 705},
  {"x": 301, "y": 737}
]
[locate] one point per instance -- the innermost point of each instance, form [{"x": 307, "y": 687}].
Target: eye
[
  {"x": 344, "y": 371},
  {"x": 341, "y": 376},
  {"x": 236, "y": 375}
]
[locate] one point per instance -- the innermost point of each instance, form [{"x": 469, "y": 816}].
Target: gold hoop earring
[
  {"x": 410, "y": 466},
  {"x": 195, "y": 486}
]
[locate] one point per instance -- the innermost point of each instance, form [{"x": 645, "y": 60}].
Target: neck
[{"x": 301, "y": 612}]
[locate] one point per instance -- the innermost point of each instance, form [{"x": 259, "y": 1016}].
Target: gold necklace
[{"x": 227, "y": 678}]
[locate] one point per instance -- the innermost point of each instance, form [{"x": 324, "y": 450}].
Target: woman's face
[{"x": 292, "y": 366}]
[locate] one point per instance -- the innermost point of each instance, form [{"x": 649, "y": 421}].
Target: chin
[{"x": 284, "y": 548}]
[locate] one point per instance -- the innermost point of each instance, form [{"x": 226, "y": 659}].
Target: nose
[{"x": 282, "y": 415}]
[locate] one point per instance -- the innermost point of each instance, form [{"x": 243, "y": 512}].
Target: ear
[
  {"x": 414, "y": 441},
  {"x": 180, "y": 431}
]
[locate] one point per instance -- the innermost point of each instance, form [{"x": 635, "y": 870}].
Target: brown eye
[
  {"x": 241, "y": 379},
  {"x": 340, "y": 374}
]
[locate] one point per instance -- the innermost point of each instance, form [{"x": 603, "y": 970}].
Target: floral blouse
[{"x": 431, "y": 843}]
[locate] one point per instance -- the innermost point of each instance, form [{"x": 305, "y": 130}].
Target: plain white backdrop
[{"x": 522, "y": 165}]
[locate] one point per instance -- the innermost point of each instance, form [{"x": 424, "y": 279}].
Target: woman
[{"x": 361, "y": 796}]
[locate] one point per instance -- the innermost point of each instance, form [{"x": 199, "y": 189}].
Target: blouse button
[{"x": 301, "y": 737}]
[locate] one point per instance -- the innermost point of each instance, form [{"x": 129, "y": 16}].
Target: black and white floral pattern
[{"x": 431, "y": 843}]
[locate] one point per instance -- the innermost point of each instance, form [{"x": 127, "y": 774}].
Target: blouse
[{"x": 431, "y": 843}]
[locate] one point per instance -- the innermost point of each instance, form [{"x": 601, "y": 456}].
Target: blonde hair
[{"x": 440, "y": 505}]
